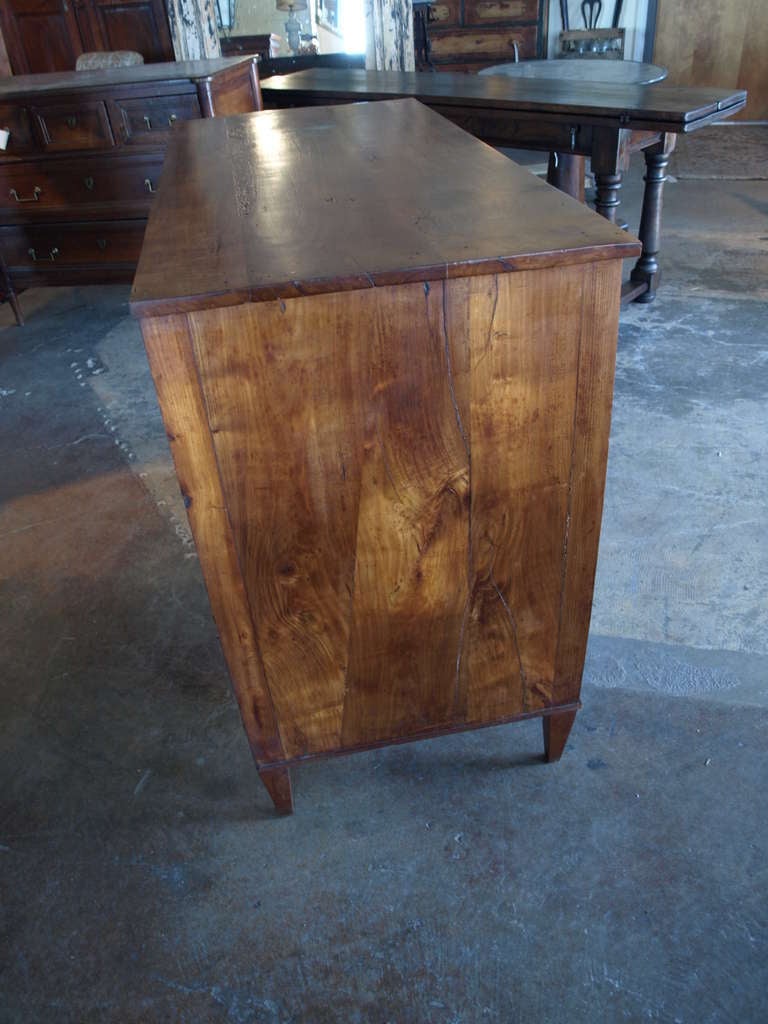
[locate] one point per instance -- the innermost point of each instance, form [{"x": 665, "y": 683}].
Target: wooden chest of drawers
[
  {"x": 84, "y": 159},
  {"x": 466, "y": 35},
  {"x": 388, "y": 407}
]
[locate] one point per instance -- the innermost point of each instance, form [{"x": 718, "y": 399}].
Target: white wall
[{"x": 633, "y": 18}]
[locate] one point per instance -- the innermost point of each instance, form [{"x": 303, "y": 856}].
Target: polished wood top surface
[
  {"x": 139, "y": 74},
  {"x": 582, "y": 69},
  {"x": 666, "y": 107},
  {"x": 281, "y": 204}
]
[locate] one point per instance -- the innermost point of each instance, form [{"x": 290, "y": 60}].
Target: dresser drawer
[
  {"x": 29, "y": 188},
  {"x": 74, "y": 126},
  {"x": 18, "y": 122},
  {"x": 146, "y": 121},
  {"x": 496, "y": 45},
  {"x": 499, "y": 12},
  {"x": 43, "y": 246}
]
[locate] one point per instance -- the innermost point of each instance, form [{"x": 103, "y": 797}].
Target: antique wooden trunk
[{"x": 384, "y": 355}]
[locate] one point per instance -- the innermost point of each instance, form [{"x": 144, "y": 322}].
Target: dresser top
[
  {"x": 285, "y": 203},
  {"x": 30, "y": 86}
]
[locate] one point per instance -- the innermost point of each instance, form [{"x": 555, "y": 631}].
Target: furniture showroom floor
[{"x": 145, "y": 876}]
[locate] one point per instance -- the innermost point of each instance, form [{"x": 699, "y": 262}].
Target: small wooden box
[{"x": 384, "y": 355}]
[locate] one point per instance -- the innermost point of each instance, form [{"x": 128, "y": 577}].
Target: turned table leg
[
  {"x": 278, "y": 785},
  {"x": 607, "y": 199},
  {"x": 557, "y": 728},
  {"x": 646, "y": 270},
  {"x": 566, "y": 172}
]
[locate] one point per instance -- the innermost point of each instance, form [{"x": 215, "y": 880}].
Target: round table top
[{"x": 583, "y": 69}]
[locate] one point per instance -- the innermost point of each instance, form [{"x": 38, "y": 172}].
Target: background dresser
[
  {"x": 84, "y": 158},
  {"x": 388, "y": 407},
  {"x": 466, "y": 35}
]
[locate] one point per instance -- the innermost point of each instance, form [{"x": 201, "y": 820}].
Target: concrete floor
[{"x": 458, "y": 881}]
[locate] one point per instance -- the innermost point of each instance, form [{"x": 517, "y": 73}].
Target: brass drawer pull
[
  {"x": 51, "y": 255},
  {"x": 102, "y": 243},
  {"x": 149, "y": 186},
  {"x": 89, "y": 183},
  {"x": 36, "y": 193},
  {"x": 148, "y": 121},
  {"x": 72, "y": 121}
]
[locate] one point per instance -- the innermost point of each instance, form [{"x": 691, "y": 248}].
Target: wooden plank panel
[
  {"x": 412, "y": 543},
  {"x": 226, "y": 219},
  {"x": 709, "y": 41},
  {"x": 597, "y": 359},
  {"x": 173, "y": 368},
  {"x": 281, "y": 384},
  {"x": 400, "y": 469},
  {"x": 523, "y": 379}
]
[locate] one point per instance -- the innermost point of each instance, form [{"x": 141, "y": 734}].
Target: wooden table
[
  {"x": 583, "y": 69},
  {"x": 566, "y": 170},
  {"x": 605, "y": 122},
  {"x": 389, "y": 410}
]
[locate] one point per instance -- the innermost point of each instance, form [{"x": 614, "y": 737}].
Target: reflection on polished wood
[
  {"x": 389, "y": 417},
  {"x": 574, "y": 119}
]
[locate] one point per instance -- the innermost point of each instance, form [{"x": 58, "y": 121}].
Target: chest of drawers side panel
[
  {"x": 171, "y": 359},
  {"x": 408, "y": 483},
  {"x": 592, "y": 421}
]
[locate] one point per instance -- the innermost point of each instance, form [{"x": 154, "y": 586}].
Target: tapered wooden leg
[
  {"x": 646, "y": 270},
  {"x": 557, "y": 728},
  {"x": 566, "y": 172},
  {"x": 278, "y": 783}
]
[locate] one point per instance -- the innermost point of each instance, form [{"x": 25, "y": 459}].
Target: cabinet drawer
[
  {"x": 69, "y": 127},
  {"x": 28, "y": 188},
  {"x": 475, "y": 45},
  {"x": 145, "y": 121},
  {"x": 444, "y": 13},
  {"x": 44, "y": 246},
  {"x": 499, "y": 12},
  {"x": 19, "y": 124}
]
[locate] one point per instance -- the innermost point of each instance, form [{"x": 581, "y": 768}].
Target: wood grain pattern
[
  {"x": 710, "y": 41},
  {"x": 659, "y": 107},
  {"x": 394, "y": 483},
  {"x": 227, "y": 208},
  {"x": 478, "y": 44},
  {"x": 175, "y": 374},
  {"x": 411, "y": 478},
  {"x": 592, "y": 421},
  {"x": 523, "y": 381}
]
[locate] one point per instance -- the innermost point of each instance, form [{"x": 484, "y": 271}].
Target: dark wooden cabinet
[
  {"x": 84, "y": 159},
  {"x": 140, "y": 25},
  {"x": 48, "y": 35},
  {"x": 41, "y": 35}
]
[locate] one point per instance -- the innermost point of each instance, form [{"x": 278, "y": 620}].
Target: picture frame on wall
[{"x": 327, "y": 14}]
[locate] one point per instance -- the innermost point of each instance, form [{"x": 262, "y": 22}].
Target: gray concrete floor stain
[{"x": 143, "y": 875}]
